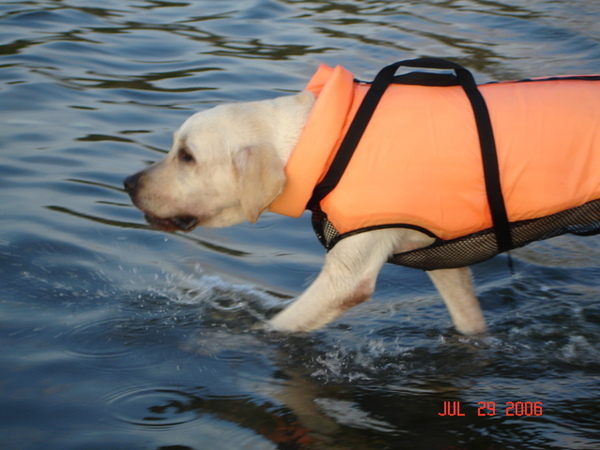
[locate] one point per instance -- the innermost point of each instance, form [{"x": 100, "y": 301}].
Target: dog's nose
[{"x": 130, "y": 183}]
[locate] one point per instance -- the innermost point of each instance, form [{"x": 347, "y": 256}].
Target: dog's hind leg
[{"x": 456, "y": 288}]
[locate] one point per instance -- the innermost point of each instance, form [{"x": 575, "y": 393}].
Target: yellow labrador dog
[
  {"x": 233, "y": 162},
  {"x": 226, "y": 166}
]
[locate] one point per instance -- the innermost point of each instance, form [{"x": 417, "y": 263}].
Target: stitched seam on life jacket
[
  {"x": 583, "y": 220},
  {"x": 331, "y": 238},
  {"x": 555, "y": 78}
]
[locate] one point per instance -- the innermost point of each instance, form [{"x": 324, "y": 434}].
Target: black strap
[{"x": 484, "y": 127}]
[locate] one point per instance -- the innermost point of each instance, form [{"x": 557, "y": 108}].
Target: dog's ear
[{"x": 260, "y": 178}]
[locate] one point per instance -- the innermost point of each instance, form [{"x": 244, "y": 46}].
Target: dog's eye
[{"x": 185, "y": 155}]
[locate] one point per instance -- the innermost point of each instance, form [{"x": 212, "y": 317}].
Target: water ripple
[
  {"x": 105, "y": 344},
  {"x": 153, "y": 406}
]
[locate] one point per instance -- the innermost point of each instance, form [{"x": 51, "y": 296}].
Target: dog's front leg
[
  {"x": 347, "y": 279},
  {"x": 456, "y": 288}
]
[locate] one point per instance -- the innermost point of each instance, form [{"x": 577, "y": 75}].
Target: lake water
[{"x": 117, "y": 336}]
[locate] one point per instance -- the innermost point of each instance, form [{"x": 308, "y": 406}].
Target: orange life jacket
[{"x": 418, "y": 163}]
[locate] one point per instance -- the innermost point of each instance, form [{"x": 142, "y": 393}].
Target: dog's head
[{"x": 222, "y": 169}]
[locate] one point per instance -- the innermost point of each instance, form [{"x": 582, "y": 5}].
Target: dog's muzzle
[{"x": 183, "y": 222}]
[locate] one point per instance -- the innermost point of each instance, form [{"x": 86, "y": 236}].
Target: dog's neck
[{"x": 288, "y": 121}]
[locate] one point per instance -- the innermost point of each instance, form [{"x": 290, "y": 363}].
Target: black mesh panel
[{"x": 476, "y": 247}]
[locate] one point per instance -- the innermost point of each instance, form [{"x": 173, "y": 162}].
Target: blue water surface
[{"x": 117, "y": 336}]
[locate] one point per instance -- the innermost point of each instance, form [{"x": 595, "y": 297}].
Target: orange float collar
[{"x": 447, "y": 174}]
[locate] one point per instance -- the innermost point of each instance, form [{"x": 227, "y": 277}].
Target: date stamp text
[{"x": 491, "y": 409}]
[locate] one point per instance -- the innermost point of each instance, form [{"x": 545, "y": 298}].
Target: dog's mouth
[{"x": 183, "y": 223}]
